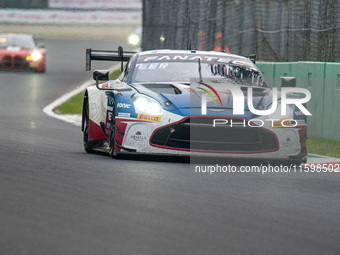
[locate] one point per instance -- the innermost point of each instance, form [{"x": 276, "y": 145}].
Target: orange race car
[{"x": 22, "y": 52}]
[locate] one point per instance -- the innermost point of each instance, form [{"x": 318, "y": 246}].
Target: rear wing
[{"x": 107, "y": 55}]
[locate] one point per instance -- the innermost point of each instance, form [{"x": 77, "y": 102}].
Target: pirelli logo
[
  {"x": 283, "y": 123},
  {"x": 147, "y": 117}
]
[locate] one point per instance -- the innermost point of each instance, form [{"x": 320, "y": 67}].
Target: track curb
[{"x": 74, "y": 119}]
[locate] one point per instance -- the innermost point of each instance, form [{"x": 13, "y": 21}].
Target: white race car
[{"x": 185, "y": 102}]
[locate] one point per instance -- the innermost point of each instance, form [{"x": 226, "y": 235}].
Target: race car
[
  {"x": 192, "y": 103},
  {"x": 22, "y": 52}
]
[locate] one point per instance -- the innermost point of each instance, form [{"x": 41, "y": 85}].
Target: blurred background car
[{"x": 22, "y": 52}]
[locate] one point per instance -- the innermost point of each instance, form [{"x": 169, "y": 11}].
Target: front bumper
[
  {"x": 20, "y": 63},
  {"x": 196, "y": 136}
]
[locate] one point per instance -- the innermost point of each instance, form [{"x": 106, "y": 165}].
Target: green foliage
[
  {"x": 75, "y": 104},
  {"x": 115, "y": 74},
  {"x": 323, "y": 147}
]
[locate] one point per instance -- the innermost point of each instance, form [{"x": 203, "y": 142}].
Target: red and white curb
[{"x": 323, "y": 161}]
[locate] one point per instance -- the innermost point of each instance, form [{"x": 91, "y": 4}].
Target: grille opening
[
  {"x": 199, "y": 134},
  {"x": 18, "y": 62},
  {"x": 7, "y": 61}
]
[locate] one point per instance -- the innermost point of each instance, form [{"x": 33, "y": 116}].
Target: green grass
[
  {"x": 115, "y": 73},
  {"x": 323, "y": 147},
  {"x": 75, "y": 104}
]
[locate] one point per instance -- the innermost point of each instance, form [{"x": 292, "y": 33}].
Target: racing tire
[
  {"x": 88, "y": 147},
  {"x": 112, "y": 137},
  {"x": 112, "y": 151}
]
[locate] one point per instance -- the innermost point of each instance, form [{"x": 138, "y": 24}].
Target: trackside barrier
[{"x": 322, "y": 79}]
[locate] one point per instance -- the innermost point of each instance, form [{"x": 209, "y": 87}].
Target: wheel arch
[
  {"x": 96, "y": 101},
  {"x": 85, "y": 101}
]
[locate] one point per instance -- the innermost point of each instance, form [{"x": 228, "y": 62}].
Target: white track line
[{"x": 74, "y": 119}]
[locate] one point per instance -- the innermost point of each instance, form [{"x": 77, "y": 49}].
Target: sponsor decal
[
  {"x": 123, "y": 105},
  {"x": 124, "y": 114},
  {"x": 139, "y": 136},
  {"x": 289, "y": 142},
  {"x": 298, "y": 113},
  {"x": 190, "y": 58},
  {"x": 108, "y": 119},
  {"x": 110, "y": 100},
  {"x": 148, "y": 117},
  {"x": 213, "y": 90},
  {"x": 282, "y": 123}
]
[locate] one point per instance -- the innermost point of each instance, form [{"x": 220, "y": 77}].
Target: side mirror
[
  {"x": 101, "y": 75},
  {"x": 288, "y": 82}
]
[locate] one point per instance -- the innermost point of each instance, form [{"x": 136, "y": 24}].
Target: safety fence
[
  {"x": 322, "y": 79},
  {"x": 274, "y": 30}
]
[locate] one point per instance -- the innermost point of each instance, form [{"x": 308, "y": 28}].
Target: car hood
[
  {"x": 182, "y": 97},
  {"x": 13, "y": 50}
]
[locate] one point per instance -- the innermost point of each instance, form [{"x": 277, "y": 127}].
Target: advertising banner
[
  {"x": 69, "y": 17},
  {"x": 96, "y": 4}
]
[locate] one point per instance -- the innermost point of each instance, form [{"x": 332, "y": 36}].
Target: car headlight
[
  {"x": 35, "y": 56},
  {"x": 145, "y": 104},
  {"x": 278, "y": 115}
]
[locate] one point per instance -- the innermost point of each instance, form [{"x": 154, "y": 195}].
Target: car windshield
[
  {"x": 172, "y": 71},
  {"x": 25, "y": 42}
]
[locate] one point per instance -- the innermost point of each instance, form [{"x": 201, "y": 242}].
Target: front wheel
[
  {"x": 112, "y": 151},
  {"x": 112, "y": 136}
]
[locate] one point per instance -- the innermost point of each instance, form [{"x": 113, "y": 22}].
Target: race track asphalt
[{"x": 56, "y": 199}]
